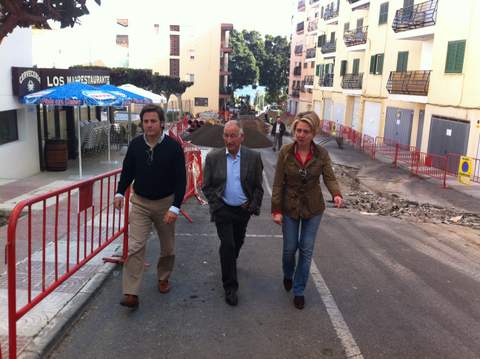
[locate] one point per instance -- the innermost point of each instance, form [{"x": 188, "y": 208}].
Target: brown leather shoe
[
  {"x": 163, "y": 286},
  {"x": 130, "y": 301}
]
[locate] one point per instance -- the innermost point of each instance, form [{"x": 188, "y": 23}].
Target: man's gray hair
[{"x": 235, "y": 123}]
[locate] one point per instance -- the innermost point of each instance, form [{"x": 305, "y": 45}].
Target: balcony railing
[
  {"x": 416, "y": 16},
  {"x": 312, "y": 2},
  {"x": 330, "y": 13},
  {"x": 301, "y": 5},
  {"x": 409, "y": 83},
  {"x": 329, "y": 47},
  {"x": 310, "y": 53},
  {"x": 295, "y": 93},
  {"x": 300, "y": 27},
  {"x": 312, "y": 26},
  {"x": 352, "y": 81},
  {"x": 326, "y": 80},
  {"x": 353, "y": 1},
  {"x": 308, "y": 81},
  {"x": 298, "y": 49},
  {"x": 356, "y": 37},
  {"x": 297, "y": 71}
]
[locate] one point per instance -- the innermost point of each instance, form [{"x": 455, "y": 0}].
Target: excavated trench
[{"x": 372, "y": 203}]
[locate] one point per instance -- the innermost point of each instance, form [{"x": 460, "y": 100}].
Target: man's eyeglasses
[{"x": 149, "y": 156}]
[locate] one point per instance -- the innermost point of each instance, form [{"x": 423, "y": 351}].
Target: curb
[{"x": 41, "y": 344}]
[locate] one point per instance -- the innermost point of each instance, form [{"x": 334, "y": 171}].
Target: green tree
[
  {"x": 275, "y": 70},
  {"x": 255, "y": 43},
  {"x": 26, "y": 13},
  {"x": 242, "y": 63}
]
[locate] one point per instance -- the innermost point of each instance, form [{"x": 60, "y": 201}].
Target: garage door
[
  {"x": 327, "y": 109},
  {"x": 356, "y": 114},
  {"x": 398, "y": 125},
  {"x": 339, "y": 113},
  {"x": 371, "y": 118}
]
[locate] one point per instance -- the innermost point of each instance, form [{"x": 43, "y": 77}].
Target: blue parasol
[{"x": 73, "y": 94}]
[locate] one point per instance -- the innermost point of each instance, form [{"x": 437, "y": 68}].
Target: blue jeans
[{"x": 298, "y": 235}]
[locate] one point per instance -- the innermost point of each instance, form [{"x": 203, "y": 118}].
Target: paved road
[{"x": 381, "y": 288}]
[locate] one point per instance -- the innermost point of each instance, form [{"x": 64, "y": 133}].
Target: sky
[{"x": 271, "y": 17}]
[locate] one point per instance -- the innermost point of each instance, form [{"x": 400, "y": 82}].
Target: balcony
[
  {"x": 312, "y": 26},
  {"x": 409, "y": 83},
  {"x": 295, "y": 93},
  {"x": 300, "y": 27},
  {"x": 301, "y": 5},
  {"x": 308, "y": 81},
  {"x": 326, "y": 80},
  {"x": 352, "y": 81},
  {"x": 297, "y": 71},
  {"x": 416, "y": 22},
  {"x": 356, "y": 38},
  {"x": 330, "y": 14},
  {"x": 313, "y": 2},
  {"x": 329, "y": 47},
  {"x": 359, "y": 4},
  {"x": 310, "y": 54}
]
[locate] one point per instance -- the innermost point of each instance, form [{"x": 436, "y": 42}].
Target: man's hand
[
  {"x": 277, "y": 218},
  {"x": 338, "y": 201},
  {"x": 118, "y": 202},
  {"x": 169, "y": 217}
]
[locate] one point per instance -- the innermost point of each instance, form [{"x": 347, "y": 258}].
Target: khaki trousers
[{"x": 143, "y": 213}]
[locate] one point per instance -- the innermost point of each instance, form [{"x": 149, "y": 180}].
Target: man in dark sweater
[{"x": 155, "y": 164}]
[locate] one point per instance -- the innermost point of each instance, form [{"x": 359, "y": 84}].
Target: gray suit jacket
[{"x": 215, "y": 176}]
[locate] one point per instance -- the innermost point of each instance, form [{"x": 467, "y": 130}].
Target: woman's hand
[
  {"x": 338, "y": 201},
  {"x": 277, "y": 218}
]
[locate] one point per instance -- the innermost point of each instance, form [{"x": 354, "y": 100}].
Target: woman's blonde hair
[{"x": 310, "y": 118}]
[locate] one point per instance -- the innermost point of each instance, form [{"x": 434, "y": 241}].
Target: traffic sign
[{"x": 465, "y": 170}]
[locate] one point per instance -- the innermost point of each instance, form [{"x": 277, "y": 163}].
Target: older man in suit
[{"x": 233, "y": 187}]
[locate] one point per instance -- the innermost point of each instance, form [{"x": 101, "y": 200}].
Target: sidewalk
[{"x": 47, "y": 320}]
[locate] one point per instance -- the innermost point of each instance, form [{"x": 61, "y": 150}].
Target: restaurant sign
[{"x": 26, "y": 80}]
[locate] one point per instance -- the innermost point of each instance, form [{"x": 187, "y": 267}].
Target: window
[
  {"x": 321, "y": 40},
  {"x": 312, "y": 64},
  {"x": 8, "y": 126},
  {"x": 332, "y": 37},
  {"x": 174, "y": 27},
  {"x": 356, "y": 66},
  {"x": 455, "y": 55},
  {"x": 201, "y": 101},
  {"x": 346, "y": 27},
  {"x": 402, "y": 61},
  {"x": 321, "y": 70},
  {"x": 343, "y": 67},
  {"x": 122, "y": 40},
  {"x": 383, "y": 17},
  {"x": 174, "y": 45},
  {"x": 317, "y": 70},
  {"x": 376, "y": 64},
  {"x": 305, "y": 65},
  {"x": 191, "y": 53},
  {"x": 175, "y": 67},
  {"x": 408, "y": 3},
  {"x": 359, "y": 24}
]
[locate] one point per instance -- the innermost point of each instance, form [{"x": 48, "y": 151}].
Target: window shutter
[
  {"x": 402, "y": 61},
  {"x": 356, "y": 65},
  {"x": 379, "y": 67},
  {"x": 459, "y": 56},
  {"x": 372, "y": 64},
  {"x": 383, "y": 17},
  {"x": 343, "y": 67},
  {"x": 321, "y": 40},
  {"x": 317, "y": 70}
]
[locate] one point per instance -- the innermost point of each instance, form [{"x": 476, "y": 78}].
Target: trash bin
[{"x": 56, "y": 155}]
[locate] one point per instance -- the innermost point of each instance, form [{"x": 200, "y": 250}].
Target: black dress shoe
[
  {"x": 130, "y": 301},
  {"x": 231, "y": 297},
  {"x": 287, "y": 284},
  {"x": 299, "y": 301}
]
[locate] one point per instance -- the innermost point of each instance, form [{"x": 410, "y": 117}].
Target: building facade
[
  {"x": 404, "y": 70},
  {"x": 196, "y": 51}
]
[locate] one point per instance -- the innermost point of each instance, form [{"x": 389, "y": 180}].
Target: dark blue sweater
[{"x": 155, "y": 176}]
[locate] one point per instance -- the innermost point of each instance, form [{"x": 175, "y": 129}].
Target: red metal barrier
[
  {"x": 73, "y": 225},
  {"x": 430, "y": 165},
  {"x": 368, "y": 145}
]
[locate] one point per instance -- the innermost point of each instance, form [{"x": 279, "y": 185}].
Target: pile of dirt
[
  {"x": 212, "y": 136},
  {"x": 370, "y": 203}
]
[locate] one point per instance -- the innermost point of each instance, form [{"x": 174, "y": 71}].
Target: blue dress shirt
[{"x": 234, "y": 195}]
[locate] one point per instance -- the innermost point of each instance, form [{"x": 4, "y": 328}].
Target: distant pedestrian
[
  {"x": 233, "y": 186},
  {"x": 297, "y": 200},
  {"x": 155, "y": 164},
  {"x": 266, "y": 117},
  {"x": 278, "y": 130}
]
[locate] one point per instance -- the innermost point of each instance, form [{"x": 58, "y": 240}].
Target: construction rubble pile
[{"x": 369, "y": 203}]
